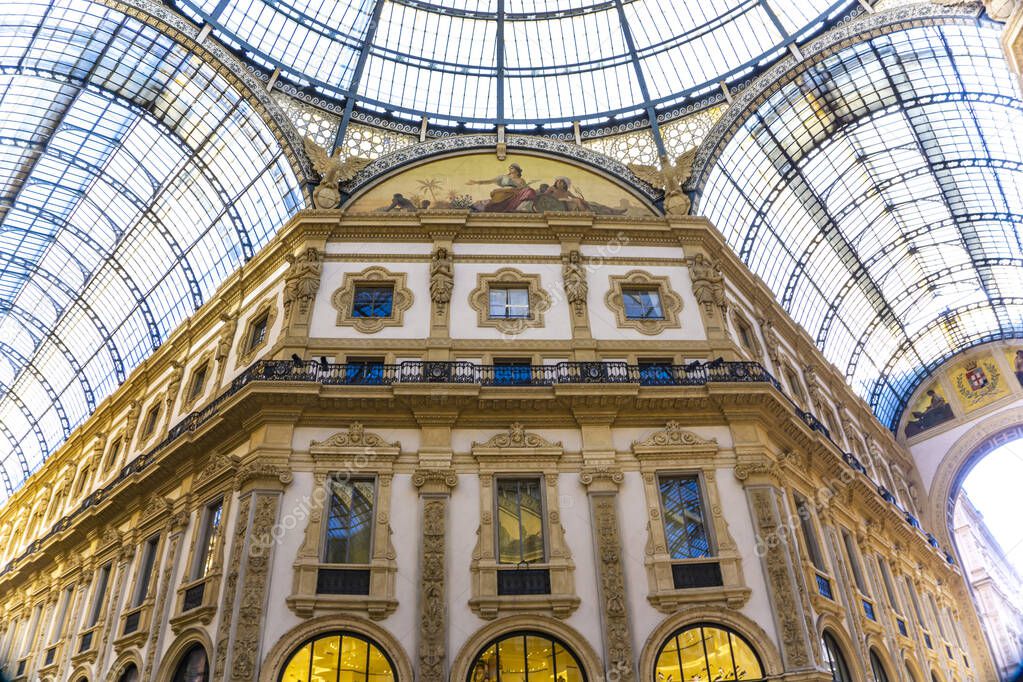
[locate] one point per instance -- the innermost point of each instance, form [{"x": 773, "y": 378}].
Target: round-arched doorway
[
  {"x": 338, "y": 655},
  {"x": 526, "y": 655}
]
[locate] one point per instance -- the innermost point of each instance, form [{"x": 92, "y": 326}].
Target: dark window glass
[
  {"x": 194, "y": 666},
  {"x": 208, "y": 539},
  {"x": 809, "y": 533},
  {"x": 684, "y": 525},
  {"x": 99, "y": 596},
  {"x": 880, "y": 675},
  {"x": 520, "y": 537},
  {"x": 349, "y": 520},
  {"x": 145, "y": 573},
  {"x": 364, "y": 370},
  {"x": 372, "y": 301},
  {"x": 642, "y": 304},
  {"x": 257, "y": 331},
  {"x": 150, "y": 424},
  {"x": 509, "y": 303},
  {"x": 834, "y": 660},
  {"x": 745, "y": 335},
  {"x": 130, "y": 674},
  {"x": 198, "y": 381}
]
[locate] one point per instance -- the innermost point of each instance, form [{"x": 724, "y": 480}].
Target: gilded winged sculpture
[
  {"x": 333, "y": 171},
  {"x": 670, "y": 177}
]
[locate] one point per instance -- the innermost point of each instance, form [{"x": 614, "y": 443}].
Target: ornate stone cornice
[
  {"x": 601, "y": 478},
  {"x": 517, "y": 437},
  {"x": 355, "y": 437},
  {"x": 434, "y": 481},
  {"x": 674, "y": 437}
]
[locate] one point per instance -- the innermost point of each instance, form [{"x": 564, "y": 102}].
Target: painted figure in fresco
[
  {"x": 400, "y": 203},
  {"x": 512, "y": 191},
  {"x": 1017, "y": 366},
  {"x": 937, "y": 411}
]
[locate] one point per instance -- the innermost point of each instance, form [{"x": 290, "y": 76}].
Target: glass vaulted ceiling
[
  {"x": 518, "y": 62},
  {"x": 880, "y": 196},
  {"x": 133, "y": 180}
]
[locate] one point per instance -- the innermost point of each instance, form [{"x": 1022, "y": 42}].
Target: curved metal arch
[
  {"x": 108, "y": 257},
  {"x": 140, "y": 110},
  {"x": 44, "y": 332},
  {"x": 41, "y": 378},
  {"x": 73, "y": 299},
  {"x": 925, "y": 283},
  {"x": 18, "y": 452},
  {"x": 44, "y": 447},
  {"x": 859, "y": 30}
]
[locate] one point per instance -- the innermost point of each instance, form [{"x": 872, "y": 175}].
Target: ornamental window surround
[
  {"x": 545, "y": 657},
  {"x": 136, "y": 616},
  {"x": 706, "y": 651},
  {"x": 692, "y": 557},
  {"x": 509, "y": 300},
  {"x": 643, "y": 302},
  {"x": 346, "y": 561},
  {"x": 339, "y": 655},
  {"x": 256, "y": 332},
  {"x": 197, "y": 381},
  {"x": 371, "y": 300},
  {"x": 522, "y": 559}
]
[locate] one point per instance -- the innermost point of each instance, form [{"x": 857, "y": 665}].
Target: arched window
[
  {"x": 834, "y": 659},
  {"x": 707, "y": 652},
  {"x": 338, "y": 655},
  {"x": 130, "y": 674},
  {"x": 526, "y": 655},
  {"x": 910, "y": 675},
  {"x": 194, "y": 666},
  {"x": 877, "y": 667}
]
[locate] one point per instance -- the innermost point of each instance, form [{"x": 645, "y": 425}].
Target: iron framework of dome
[{"x": 878, "y": 192}]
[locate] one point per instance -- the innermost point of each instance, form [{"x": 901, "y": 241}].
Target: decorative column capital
[
  {"x": 601, "y": 479},
  {"x": 434, "y": 481}
]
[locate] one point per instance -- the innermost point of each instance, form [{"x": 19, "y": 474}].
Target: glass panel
[
  {"x": 694, "y": 657},
  {"x": 683, "y": 517},
  {"x": 512, "y": 656},
  {"x": 668, "y": 667},
  {"x": 509, "y": 303},
  {"x": 642, "y": 304},
  {"x": 208, "y": 543},
  {"x": 372, "y": 301},
  {"x": 258, "y": 331},
  {"x": 719, "y": 654},
  {"x": 325, "y": 654},
  {"x": 485, "y": 668},
  {"x": 354, "y": 659},
  {"x": 193, "y": 666},
  {"x": 379, "y": 669},
  {"x": 297, "y": 669},
  {"x": 568, "y": 668},
  {"x": 540, "y": 659},
  {"x": 349, "y": 521},
  {"x": 747, "y": 667},
  {"x": 520, "y": 535}
]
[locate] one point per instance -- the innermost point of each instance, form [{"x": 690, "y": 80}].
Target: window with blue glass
[
  {"x": 684, "y": 524},
  {"x": 364, "y": 370},
  {"x": 642, "y": 304},
  {"x": 349, "y": 520},
  {"x": 509, "y": 303},
  {"x": 654, "y": 372},
  {"x": 373, "y": 301},
  {"x": 514, "y": 371}
]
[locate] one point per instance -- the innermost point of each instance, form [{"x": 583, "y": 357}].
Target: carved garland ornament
[
  {"x": 343, "y": 299},
  {"x": 539, "y": 300},
  {"x": 671, "y": 303}
]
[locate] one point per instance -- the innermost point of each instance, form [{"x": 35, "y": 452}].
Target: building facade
[{"x": 468, "y": 444}]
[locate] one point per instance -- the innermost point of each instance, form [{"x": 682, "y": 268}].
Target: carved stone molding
[
  {"x": 343, "y": 299},
  {"x": 617, "y": 631},
  {"x": 708, "y": 284},
  {"x": 574, "y": 279},
  {"x": 517, "y": 437},
  {"x": 432, "y": 652},
  {"x": 674, "y": 440},
  {"x": 601, "y": 478},
  {"x": 671, "y": 302},
  {"x": 749, "y": 341},
  {"x": 355, "y": 437},
  {"x": 539, "y": 300},
  {"x": 434, "y": 481},
  {"x": 247, "y": 346},
  {"x": 301, "y": 283},
  {"x": 442, "y": 280}
]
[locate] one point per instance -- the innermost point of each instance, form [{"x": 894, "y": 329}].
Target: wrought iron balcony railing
[{"x": 460, "y": 372}]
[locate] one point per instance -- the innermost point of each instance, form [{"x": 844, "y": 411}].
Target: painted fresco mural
[
  {"x": 978, "y": 382},
  {"x": 521, "y": 183},
  {"x": 1015, "y": 358},
  {"x": 930, "y": 409}
]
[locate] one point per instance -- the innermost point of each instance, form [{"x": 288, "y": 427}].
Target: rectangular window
[
  {"x": 257, "y": 331},
  {"x": 149, "y": 425},
  {"x": 58, "y": 623},
  {"x": 916, "y": 603},
  {"x": 372, "y": 301},
  {"x": 937, "y": 618},
  {"x": 642, "y": 304},
  {"x": 206, "y": 549},
  {"x": 512, "y": 371},
  {"x": 37, "y": 615},
  {"x": 349, "y": 537},
  {"x": 145, "y": 571},
  {"x": 99, "y": 595},
  {"x": 684, "y": 525},
  {"x": 804, "y": 513},
  {"x": 854, "y": 562},
  {"x": 509, "y": 303},
  {"x": 364, "y": 370},
  {"x": 794, "y": 385},
  {"x": 520, "y": 536},
  {"x": 745, "y": 335},
  {"x": 195, "y": 387},
  {"x": 115, "y": 450},
  {"x": 655, "y": 372}
]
